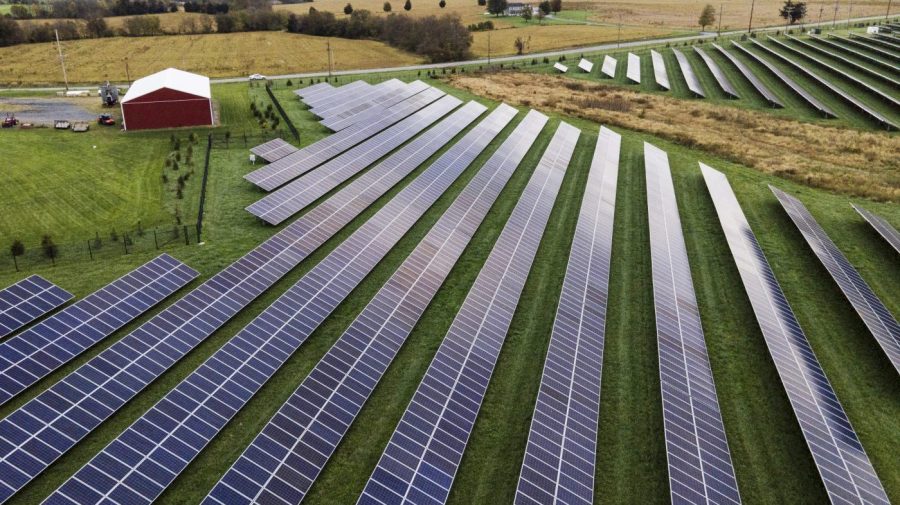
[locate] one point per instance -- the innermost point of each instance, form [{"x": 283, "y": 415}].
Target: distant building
[
  {"x": 171, "y": 98},
  {"x": 517, "y": 9}
]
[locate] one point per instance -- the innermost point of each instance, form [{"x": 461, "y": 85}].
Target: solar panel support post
[{"x": 155, "y": 239}]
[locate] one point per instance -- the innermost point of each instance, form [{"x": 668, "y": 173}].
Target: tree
[
  {"x": 348, "y": 9},
  {"x": 442, "y": 3},
  {"x": 97, "y": 27},
  {"x": 407, "y": 6},
  {"x": 482, "y": 2},
  {"x": 545, "y": 7},
  {"x": 496, "y": 7},
  {"x": 526, "y": 14},
  {"x": 19, "y": 12},
  {"x": 17, "y": 249},
  {"x": 386, "y": 7},
  {"x": 555, "y": 5},
  {"x": 521, "y": 44},
  {"x": 793, "y": 12},
  {"x": 707, "y": 17}
]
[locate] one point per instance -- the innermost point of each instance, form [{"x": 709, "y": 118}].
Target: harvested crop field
[{"x": 558, "y": 36}]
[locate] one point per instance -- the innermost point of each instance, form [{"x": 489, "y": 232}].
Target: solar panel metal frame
[
  {"x": 699, "y": 460},
  {"x": 659, "y": 70},
  {"x": 293, "y": 166},
  {"x": 371, "y": 113},
  {"x": 609, "y": 66},
  {"x": 785, "y": 79},
  {"x": 358, "y": 359},
  {"x": 721, "y": 78},
  {"x": 633, "y": 70},
  {"x": 586, "y": 65},
  {"x": 693, "y": 83},
  {"x": 877, "y": 43},
  {"x": 570, "y": 381},
  {"x": 748, "y": 74},
  {"x": 469, "y": 352},
  {"x": 274, "y": 150},
  {"x": 353, "y": 100},
  {"x": 27, "y": 301},
  {"x": 891, "y": 40},
  {"x": 887, "y": 232},
  {"x": 871, "y": 310},
  {"x": 846, "y": 61},
  {"x": 875, "y": 50},
  {"x": 248, "y": 360},
  {"x": 36, "y": 352},
  {"x": 824, "y": 423},
  {"x": 855, "y": 52},
  {"x": 280, "y": 205}
]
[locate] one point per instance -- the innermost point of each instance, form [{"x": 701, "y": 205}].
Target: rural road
[{"x": 500, "y": 59}]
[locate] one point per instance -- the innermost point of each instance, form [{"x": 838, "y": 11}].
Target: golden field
[
  {"x": 556, "y": 36},
  {"x": 215, "y": 55}
]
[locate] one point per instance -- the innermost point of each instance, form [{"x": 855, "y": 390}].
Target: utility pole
[
  {"x": 721, "y": 9},
  {"x": 489, "y": 49},
  {"x": 834, "y": 19},
  {"x": 127, "y": 73},
  {"x": 62, "y": 60},
  {"x": 821, "y": 10},
  {"x": 330, "y": 57},
  {"x": 849, "y": 13},
  {"x": 750, "y": 26},
  {"x": 619, "y": 37},
  {"x": 888, "y": 13}
]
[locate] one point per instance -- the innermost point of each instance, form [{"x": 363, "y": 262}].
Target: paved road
[{"x": 505, "y": 59}]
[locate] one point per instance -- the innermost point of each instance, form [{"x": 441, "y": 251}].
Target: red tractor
[
  {"x": 106, "y": 120},
  {"x": 10, "y": 121}
]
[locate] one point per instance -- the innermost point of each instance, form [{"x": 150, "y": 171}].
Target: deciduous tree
[{"x": 707, "y": 17}]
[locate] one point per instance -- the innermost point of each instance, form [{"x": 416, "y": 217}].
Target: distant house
[{"x": 517, "y": 9}]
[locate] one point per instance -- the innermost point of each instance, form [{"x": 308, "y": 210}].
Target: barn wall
[{"x": 166, "y": 108}]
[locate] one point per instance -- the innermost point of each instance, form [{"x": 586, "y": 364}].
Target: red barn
[{"x": 168, "y": 99}]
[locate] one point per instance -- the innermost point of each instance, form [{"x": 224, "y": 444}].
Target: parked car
[{"x": 257, "y": 77}]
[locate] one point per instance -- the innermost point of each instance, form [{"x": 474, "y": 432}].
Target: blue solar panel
[
  {"x": 28, "y": 300},
  {"x": 33, "y": 354},
  {"x": 356, "y": 362},
  {"x": 362, "y": 100},
  {"x": 274, "y": 150},
  {"x": 369, "y": 111},
  {"x": 700, "y": 468},
  {"x": 562, "y": 441},
  {"x": 421, "y": 459},
  {"x": 888, "y": 232},
  {"x": 842, "y": 462},
  {"x": 336, "y": 94}
]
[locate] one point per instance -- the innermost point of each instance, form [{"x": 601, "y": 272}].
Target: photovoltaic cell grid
[
  {"x": 562, "y": 442},
  {"x": 336, "y": 107},
  {"x": 337, "y": 94},
  {"x": 699, "y": 462},
  {"x": 364, "y": 102},
  {"x": 717, "y": 72},
  {"x": 310, "y": 91},
  {"x": 802, "y": 93},
  {"x": 687, "y": 71},
  {"x": 846, "y": 61},
  {"x": 659, "y": 69},
  {"x": 842, "y": 462},
  {"x": 286, "y": 457},
  {"x": 748, "y": 74},
  {"x": 292, "y": 198},
  {"x": 886, "y": 56},
  {"x": 28, "y": 300},
  {"x": 867, "y": 304},
  {"x": 377, "y": 109},
  {"x": 633, "y": 70},
  {"x": 856, "y": 53},
  {"x": 421, "y": 459},
  {"x": 275, "y": 174},
  {"x": 136, "y": 467},
  {"x": 40, "y": 431},
  {"x": 274, "y": 150},
  {"x": 33, "y": 354},
  {"x": 609, "y": 67},
  {"x": 888, "y": 232}
]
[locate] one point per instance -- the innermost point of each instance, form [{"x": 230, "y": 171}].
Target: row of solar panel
[{"x": 28, "y": 300}]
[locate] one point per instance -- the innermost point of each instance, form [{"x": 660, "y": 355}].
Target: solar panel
[
  {"x": 273, "y": 150},
  {"x": 62, "y": 415},
  {"x": 867, "y": 304},
  {"x": 337, "y": 94},
  {"x": 877, "y": 43},
  {"x": 585, "y": 65},
  {"x": 560, "y": 67},
  {"x": 633, "y": 70},
  {"x": 717, "y": 72},
  {"x": 367, "y": 95},
  {"x": 881, "y": 225},
  {"x": 562, "y": 441},
  {"x": 287, "y": 456},
  {"x": 889, "y": 41},
  {"x": 193, "y": 413},
  {"x": 659, "y": 70},
  {"x": 609, "y": 67},
  {"x": 294, "y": 197},
  {"x": 855, "y": 53},
  {"x": 847, "y": 97},
  {"x": 692, "y": 82},
  {"x": 886, "y": 55},
  {"x": 373, "y": 112},
  {"x": 275, "y": 174},
  {"x": 802, "y": 93},
  {"x": 425, "y": 450},
  {"x": 700, "y": 468},
  {"x": 28, "y": 300},
  {"x": 846, "y": 61},
  {"x": 33, "y": 354},
  {"x": 842, "y": 462},
  {"x": 748, "y": 74},
  {"x": 309, "y": 91}
]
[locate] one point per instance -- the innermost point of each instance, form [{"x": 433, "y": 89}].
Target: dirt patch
[
  {"x": 43, "y": 111},
  {"x": 849, "y": 161}
]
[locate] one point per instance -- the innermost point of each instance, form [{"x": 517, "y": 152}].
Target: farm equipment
[
  {"x": 106, "y": 120},
  {"x": 62, "y": 124},
  {"x": 10, "y": 121},
  {"x": 109, "y": 94},
  {"x": 81, "y": 126}
]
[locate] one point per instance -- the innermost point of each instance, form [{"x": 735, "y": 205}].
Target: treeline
[
  {"x": 89, "y": 9},
  {"x": 439, "y": 39}
]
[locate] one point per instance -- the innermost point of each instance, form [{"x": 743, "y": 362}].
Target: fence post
[
  {"x": 15, "y": 262},
  {"x": 90, "y": 251},
  {"x": 187, "y": 239},
  {"x": 125, "y": 242},
  {"x": 155, "y": 241},
  {"x": 209, "y": 142},
  {"x": 283, "y": 114}
]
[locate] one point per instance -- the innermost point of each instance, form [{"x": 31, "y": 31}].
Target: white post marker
[{"x": 252, "y": 159}]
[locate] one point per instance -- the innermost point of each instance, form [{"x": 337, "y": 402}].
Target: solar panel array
[
  {"x": 287, "y": 456},
  {"x": 33, "y": 354},
  {"x": 876, "y": 42},
  {"x": 721, "y": 77},
  {"x": 802, "y": 93},
  {"x": 855, "y": 52},
  {"x": 889, "y": 41},
  {"x": 562, "y": 441},
  {"x": 295, "y": 196},
  {"x": 337, "y": 96},
  {"x": 886, "y": 56},
  {"x": 867, "y": 304},
  {"x": 633, "y": 70},
  {"x": 700, "y": 468},
  {"x": 28, "y": 300},
  {"x": 337, "y": 107},
  {"x": 315, "y": 89},
  {"x": 687, "y": 71},
  {"x": 842, "y": 462},
  {"x": 757, "y": 84},
  {"x": 888, "y": 232},
  {"x": 659, "y": 69},
  {"x": 292, "y": 166},
  {"x": 846, "y": 61},
  {"x": 425, "y": 450},
  {"x": 187, "y": 418},
  {"x": 377, "y": 108},
  {"x": 609, "y": 67},
  {"x": 274, "y": 150},
  {"x": 70, "y": 409}
]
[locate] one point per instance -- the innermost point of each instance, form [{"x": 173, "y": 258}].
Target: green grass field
[{"x": 772, "y": 461}]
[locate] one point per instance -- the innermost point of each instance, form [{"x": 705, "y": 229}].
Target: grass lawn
[{"x": 772, "y": 462}]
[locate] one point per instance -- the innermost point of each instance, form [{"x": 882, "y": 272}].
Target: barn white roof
[{"x": 170, "y": 78}]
